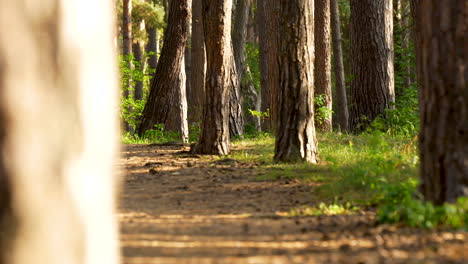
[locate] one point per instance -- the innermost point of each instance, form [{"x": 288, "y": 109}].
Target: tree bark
[
  {"x": 58, "y": 132},
  {"x": 272, "y": 16},
  {"x": 322, "y": 67},
  {"x": 249, "y": 95},
  {"x": 441, "y": 30},
  {"x": 221, "y": 77},
  {"x": 295, "y": 136},
  {"x": 372, "y": 83},
  {"x": 127, "y": 48},
  {"x": 167, "y": 100},
  {"x": 138, "y": 55},
  {"x": 153, "y": 47},
  {"x": 198, "y": 61},
  {"x": 263, "y": 54},
  {"x": 338, "y": 67}
]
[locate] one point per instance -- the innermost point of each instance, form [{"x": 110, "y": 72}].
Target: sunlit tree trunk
[
  {"x": 441, "y": 30},
  {"x": 295, "y": 134},
  {"x": 167, "y": 100},
  {"x": 372, "y": 82},
  {"x": 221, "y": 77},
  {"x": 58, "y": 132}
]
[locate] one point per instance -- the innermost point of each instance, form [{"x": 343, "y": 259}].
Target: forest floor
[{"x": 178, "y": 207}]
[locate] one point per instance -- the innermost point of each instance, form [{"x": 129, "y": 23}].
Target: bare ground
[{"x": 183, "y": 208}]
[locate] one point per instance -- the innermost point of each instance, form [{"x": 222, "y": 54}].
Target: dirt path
[{"x": 183, "y": 208}]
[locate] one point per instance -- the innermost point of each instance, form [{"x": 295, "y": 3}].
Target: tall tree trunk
[
  {"x": 127, "y": 47},
  {"x": 221, "y": 77},
  {"x": 58, "y": 132},
  {"x": 322, "y": 67},
  {"x": 272, "y": 16},
  {"x": 198, "y": 65},
  {"x": 295, "y": 136},
  {"x": 167, "y": 99},
  {"x": 338, "y": 67},
  {"x": 152, "y": 47},
  {"x": 372, "y": 83},
  {"x": 263, "y": 56},
  {"x": 138, "y": 55},
  {"x": 249, "y": 95},
  {"x": 236, "y": 118},
  {"x": 441, "y": 30}
]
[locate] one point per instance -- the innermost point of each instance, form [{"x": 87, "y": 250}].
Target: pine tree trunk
[
  {"x": 441, "y": 30},
  {"x": 138, "y": 55},
  {"x": 263, "y": 53},
  {"x": 372, "y": 83},
  {"x": 272, "y": 17},
  {"x": 58, "y": 132},
  {"x": 127, "y": 47},
  {"x": 322, "y": 67},
  {"x": 295, "y": 136},
  {"x": 338, "y": 67},
  {"x": 198, "y": 64},
  {"x": 221, "y": 77},
  {"x": 167, "y": 100},
  {"x": 152, "y": 47},
  {"x": 239, "y": 38}
]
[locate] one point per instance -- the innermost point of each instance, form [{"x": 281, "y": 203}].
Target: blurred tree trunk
[
  {"x": 58, "y": 132},
  {"x": 198, "y": 66},
  {"x": 372, "y": 83},
  {"x": 221, "y": 77},
  {"x": 138, "y": 55},
  {"x": 127, "y": 48},
  {"x": 441, "y": 30},
  {"x": 263, "y": 53},
  {"x": 338, "y": 67},
  {"x": 167, "y": 102},
  {"x": 322, "y": 67},
  {"x": 152, "y": 47},
  {"x": 249, "y": 96},
  {"x": 295, "y": 134}
]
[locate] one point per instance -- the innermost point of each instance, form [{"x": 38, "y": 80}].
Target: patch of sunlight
[{"x": 324, "y": 209}]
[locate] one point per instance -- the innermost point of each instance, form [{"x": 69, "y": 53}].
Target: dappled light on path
[{"x": 183, "y": 208}]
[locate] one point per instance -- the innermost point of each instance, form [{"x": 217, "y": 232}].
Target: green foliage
[
  {"x": 324, "y": 209},
  {"x": 194, "y": 132},
  {"x": 252, "y": 58},
  {"x": 401, "y": 121},
  {"x": 131, "y": 72},
  {"x": 321, "y": 111},
  {"x": 418, "y": 213},
  {"x": 156, "y": 135}
]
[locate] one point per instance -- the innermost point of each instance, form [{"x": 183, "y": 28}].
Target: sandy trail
[{"x": 182, "y": 208}]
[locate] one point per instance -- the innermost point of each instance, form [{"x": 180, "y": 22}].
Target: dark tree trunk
[
  {"x": 263, "y": 54},
  {"x": 441, "y": 30},
  {"x": 372, "y": 83},
  {"x": 127, "y": 47},
  {"x": 138, "y": 55},
  {"x": 295, "y": 136},
  {"x": 221, "y": 77},
  {"x": 188, "y": 71},
  {"x": 167, "y": 99},
  {"x": 338, "y": 67},
  {"x": 198, "y": 64},
  {"x": 272, "y": 17},
  {"x": 152, "y": 47},
  {"x": 322, "y": 67},
  {"x": 58, "y": 132}
]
